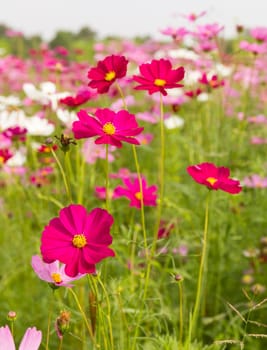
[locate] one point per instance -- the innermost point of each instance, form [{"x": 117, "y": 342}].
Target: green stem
[
  {"x": 66, "y": 184},
  {"x": 107, "y": 179},
  {"x": 83, "y": 315},
  {"x": 202, "y": 268},
  {"x": 48, "y": 324},
  {"x": 142, "y": 209},
  {"x": 180, "y": 312},
  {"x": 109, "y": 311}
]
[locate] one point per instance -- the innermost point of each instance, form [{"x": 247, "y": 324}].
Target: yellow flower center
[
  {"x": 159, "y": 82},
  {"x": 109, "y": 128},
  {"x": 211, "y": 180},
  {"x": 110, "y": 75},
  {"x": 79, "y": 241},
  {"x": 2, "y": 160},
  {"x": 56, "y": 277},
  {"x": 138, "y": 195}
]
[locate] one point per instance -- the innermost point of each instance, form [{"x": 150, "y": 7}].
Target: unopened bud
[
  {"x": 11, "y": 316},
  {"x": 62, "y": 323}
]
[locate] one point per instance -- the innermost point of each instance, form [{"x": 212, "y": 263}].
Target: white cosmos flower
[
  {"x": 174, "y": 122},
  {"x": 39, "y": 126},
  {"x": 45, "y": 95},
  {"x": 13, "y": 118},
  {"x": 18, "y": 158},
  {"x": 6, "y": 101},
  {"x": 203, "y": 97},
  {"x": 66, "y": 117}
]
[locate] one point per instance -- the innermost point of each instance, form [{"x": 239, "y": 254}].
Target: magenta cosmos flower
[
  {"x": 215, "y": 178},
  {"x": 53, "y": 273},
  {"x": 110, "y": 127},
  {"x": 158, "y": 75},
  {"x": 133, "y": 192},
  {"x": 106, "y": 72},
  {"x": 30, "y": 341},
  {"x": 78, "y": 239}
]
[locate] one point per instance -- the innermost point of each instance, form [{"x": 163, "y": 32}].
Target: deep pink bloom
[
  {"x": 259, "y": 33},
  {"x": 78, "y": 239},
  {"x": 110, "y": 127},
  {"x": 158, "y": 75},
  {"x": 106, "y": 72},
  {"x": 213, "y": 82},
  {"x": 215, "y": 178},
  {"x": 133, "y": 192},
  {"x": 5, "y": 154},
  {"x": 82, "y": 96},
  {"x": 15, "y": 133},
  {"x": 53, "y": 273},
  {"x": 30, "y": 341}
]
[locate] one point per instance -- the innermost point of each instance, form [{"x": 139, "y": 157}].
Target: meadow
[{"x": 133, "y": 193}]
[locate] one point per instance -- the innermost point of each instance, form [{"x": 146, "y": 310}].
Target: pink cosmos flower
[
  {"x": 123, "y": 173},
  {"x": 259, "y": 33},
  {"x": 78, "y": 239},
  {"x": 82, "y": 96},
  {"x": 255, "y": 181},
  {"x": 158, "y": 75},
  {"x": 53, "y": 273},
  {"x": 91, "y": 152},
  {"x": 192, "y": 17},
  {"x": 110, "y": 127},
  {"x": 30, "y": 341},
  {"x": 212, "y": 82},
  {"x": 215, "y": 178},
  {"x": 133, "y": 192},
  {"x": 177, "y": 34},
  {"x": 107, "y": 72}
]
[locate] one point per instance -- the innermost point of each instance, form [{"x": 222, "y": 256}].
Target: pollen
[
  {"x": 110, "y": 75},
  {"x": 211, "y": 180},
  {"x": 79, "y": 241},
  {"x": 109, "y": 128},
  {"x": 138, "y": 195},
  {"x": 56, "y": 277},
  {"x": 159, "y": 82}
]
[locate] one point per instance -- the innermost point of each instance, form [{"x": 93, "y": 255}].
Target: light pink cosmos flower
[
  {"x": 255, "y": 181},
  {"x": 133, "y": 192},
  {"x": 259, "y": 33},
  {"x": 111, "y": 128},
  {"x": 52, "y": 273},
  {"x": 91, "y": 152},
  {"x": 78, "y": 238},
  {"x": 30, "y": 341}
]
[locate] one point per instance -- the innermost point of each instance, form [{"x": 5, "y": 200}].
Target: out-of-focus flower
[
  {"x": 83, "y": 95},
  {"x": 91, "y": 152},
  {"x": 53, "y": 273},
  {"x": 30, "y": 341},
  {"x": 255, "y": 181},
  {"x": 157, "y": 76},
  {"x": 215, "y": 178},
  {"x": 174, "y": 122},
  {"x": 136, "y": 194},
  {"x": 107, "y": 72},
  {"x": 111, "y": 128},
  {"x": 78, "y": 239}
]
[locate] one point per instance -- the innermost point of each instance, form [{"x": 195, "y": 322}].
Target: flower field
[{"x": 133, "y": 193}]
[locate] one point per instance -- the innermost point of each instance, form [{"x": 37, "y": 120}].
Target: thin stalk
[
  {"x": 107, "y": 179},
  {"x": 109, "y": 311},
  {"x": 49, "y": 324},
  {"x": 65, "y": 180},
  {"x": 83, "y": 315},
  {"x": 202, "y": 268},
  {"x": 181, "y": 316}
]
